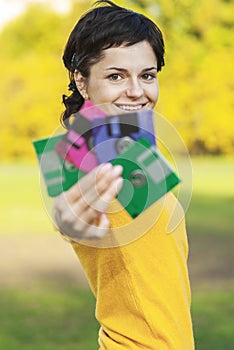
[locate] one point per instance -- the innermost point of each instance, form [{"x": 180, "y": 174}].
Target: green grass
[
  {"x": 21, "y": 207},
  {"x": 47, "y": 319},
  {"x": 212, "y": 205},
  {"x": 213, "y": 176},
  {"x": 210, "y": 215},
  {"x": 213, "y": 320}
]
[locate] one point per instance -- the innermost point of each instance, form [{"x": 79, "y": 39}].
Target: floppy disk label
[
  {"x": 147, "y": 176},
  {"x": 58, "y": 174},
  {"x": 114, "y": 134}
]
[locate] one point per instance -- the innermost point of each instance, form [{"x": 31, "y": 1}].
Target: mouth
[{"x": 130, "y": 108}]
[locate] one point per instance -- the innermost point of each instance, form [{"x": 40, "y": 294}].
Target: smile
[{"x": 130, "y": 108}]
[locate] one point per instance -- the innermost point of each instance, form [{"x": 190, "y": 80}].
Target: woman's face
[{"x": 124, "y": 80}]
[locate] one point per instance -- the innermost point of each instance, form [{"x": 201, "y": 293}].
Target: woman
[{"x": 137, "y": 271}]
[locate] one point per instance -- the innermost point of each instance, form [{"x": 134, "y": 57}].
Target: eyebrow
[{"x": 125, "y": 70}]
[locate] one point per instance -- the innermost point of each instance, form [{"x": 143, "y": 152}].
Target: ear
[{"x": 81, "y": 84}]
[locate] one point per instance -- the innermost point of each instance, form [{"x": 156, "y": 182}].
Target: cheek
[
  {"x": 103, "y": 93},
  {"x": 154, "y": 93},
  {"x": 156, "y": 96}
]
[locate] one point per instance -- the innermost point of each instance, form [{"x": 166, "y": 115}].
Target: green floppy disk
[
  {"x": 147, "y": 176},
  {"x": 59, "y": 175}
]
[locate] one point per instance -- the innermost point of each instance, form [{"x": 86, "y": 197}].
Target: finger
[
  {"x": 78, "y": 228},
  {"x": 87, "y": 182},
  {"x": 92, "y": 203},
  {"x": 72, "y": 218},
  {"x": 87, "y": 214},
  {"x": 102, "y": 185},
  {"x": 67, "y": 198},
  {"x": 71, "y": 225},
  {"x": 87, "y": 192},
  {"x": 60, "y": 203},
  {"x": 103, "y": 201},
  {"x": 98, "y": 231},
  {"x": 90, "y": 231}
]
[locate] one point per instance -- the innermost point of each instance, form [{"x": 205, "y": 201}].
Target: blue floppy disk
[
  {"x": 59, "y": 175},
  {"x": 113, "y": 134},
  {"x": 147, "y": 176}
]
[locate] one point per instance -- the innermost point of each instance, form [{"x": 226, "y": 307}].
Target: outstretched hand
[{"x": 80, "y": 212}]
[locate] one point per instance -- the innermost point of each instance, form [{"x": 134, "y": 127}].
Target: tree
[{"x": 196, "y": 85}]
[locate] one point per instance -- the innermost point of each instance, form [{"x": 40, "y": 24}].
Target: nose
[{"x": 134, "y": 88}]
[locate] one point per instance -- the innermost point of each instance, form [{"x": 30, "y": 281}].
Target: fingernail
[
  {"x": 105, "y": 167},
  {"x": 117, "y": 170},
  {"x": 104, "y": 218},
  {"x": 119, "y": 184}
]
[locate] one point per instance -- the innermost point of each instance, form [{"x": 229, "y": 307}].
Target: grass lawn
[
  {"x": 211, "y": 210},
  {"x": 62, "y": 318},
  {"x": 21, "y": 207},
  {"x": 47, "y": 319},
  {"x": 213, "y": 319}
]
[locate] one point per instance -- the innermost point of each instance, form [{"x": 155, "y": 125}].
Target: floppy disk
[
  {"x": 77, "y": 144},
  {"x": 91, "y": 111},
  {"x": 59, "y": 175},
  {"x": 114, "y": 134},
  {"x": 147, "y": 175}
]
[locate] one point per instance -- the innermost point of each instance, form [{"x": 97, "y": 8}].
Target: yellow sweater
[{"x": 138, "y": 274}]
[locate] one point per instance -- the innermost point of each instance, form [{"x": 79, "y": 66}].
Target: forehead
[{"x": 139, "y": 56}]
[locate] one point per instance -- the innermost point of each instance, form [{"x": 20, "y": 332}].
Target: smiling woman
[{"x": 142, "y": 286}]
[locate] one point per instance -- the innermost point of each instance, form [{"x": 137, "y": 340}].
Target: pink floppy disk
[
  {"x": 74, "y": 148},
  {"x": 90, "y": 111},
  {"x": 77, "y": 146}
]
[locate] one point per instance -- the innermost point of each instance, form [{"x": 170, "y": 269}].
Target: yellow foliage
[{"x": 196, "y": 86}]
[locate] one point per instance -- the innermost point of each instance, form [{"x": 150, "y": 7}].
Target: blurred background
[{"x": 44, "y": 298}]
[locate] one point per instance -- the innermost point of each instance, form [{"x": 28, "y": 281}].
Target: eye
[
  {"x": 115, "y": 77},
  {"x": 148, "y": 76}
]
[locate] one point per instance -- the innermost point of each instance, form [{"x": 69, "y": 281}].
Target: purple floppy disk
[{"x": 114, "y": 134}]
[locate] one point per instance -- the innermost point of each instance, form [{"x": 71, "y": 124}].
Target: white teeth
[{"x": 130, "y": 108}]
